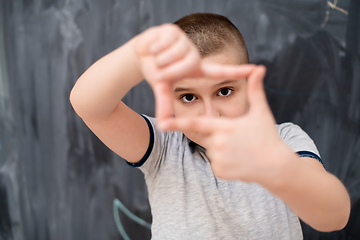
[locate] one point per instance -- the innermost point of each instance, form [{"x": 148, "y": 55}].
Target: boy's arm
[
  {"x": 249, "y": 148},
  {"x": 316, "y": 196},
  {"x": 96, "y": 97}
]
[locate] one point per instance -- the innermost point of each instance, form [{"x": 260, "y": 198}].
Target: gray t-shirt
[{"x": 189, "y": 202}]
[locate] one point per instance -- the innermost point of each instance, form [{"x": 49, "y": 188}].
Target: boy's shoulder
[
  {"x": 289, "y": 130},
  {"x": 298, "y": 140},
  {"x": 288, "y": 127}
]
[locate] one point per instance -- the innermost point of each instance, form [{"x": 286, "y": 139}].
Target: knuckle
[
  {"x": 175, "y": 54},
  {"x": 181, "y": 49},
  {"x": 163, "y": 60},
  {"x": 171, "y": 29},
  {"x": 166, "y": 27},
  {"x": 175, "y": 27}
]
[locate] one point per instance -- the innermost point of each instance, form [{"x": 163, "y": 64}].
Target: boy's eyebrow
[
  {"x": 180, "y": 89},
  {"x": 225, "y": 82},
  {"x": 183, "y": 89}
]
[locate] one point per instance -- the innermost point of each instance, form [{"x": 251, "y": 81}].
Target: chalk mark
[{"x": 333, "y": 6}]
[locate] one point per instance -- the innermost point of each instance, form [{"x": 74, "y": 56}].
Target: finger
[
  {"x": 199, "y": 125},
  {"x": 170, "y": 33},
  {"x": 145, "y": 40},
  {"x": 256, "y": 93},
  {"x": 187, "y": 67},
  {"x": 163, "y": 100},
  {"x": 220, "y": 71},
  {"x": 174, "y": 53}
]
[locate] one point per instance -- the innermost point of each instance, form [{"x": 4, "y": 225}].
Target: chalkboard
[{"x": 58, "y": 181}]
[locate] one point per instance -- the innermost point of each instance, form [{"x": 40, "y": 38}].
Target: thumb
[
  {"x": 256, "y": 93},
  {"x": 163, "y": 100}
]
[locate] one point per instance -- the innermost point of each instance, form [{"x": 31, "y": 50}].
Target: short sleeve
[
  {"x": 298, "y": 140},
  {"x": 151, "y": 161}
]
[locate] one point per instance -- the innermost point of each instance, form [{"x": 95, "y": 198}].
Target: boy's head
[
  {"x": 212, "y": 34},
  {"x": 218, "y": 41}
]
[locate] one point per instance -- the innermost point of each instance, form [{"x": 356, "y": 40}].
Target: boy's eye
[
  {"x": 187, "y": 98},
  {"x": 225, "y": 92}
]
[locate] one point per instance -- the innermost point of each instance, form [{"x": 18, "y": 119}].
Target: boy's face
[{"x": 203, "y": 97}]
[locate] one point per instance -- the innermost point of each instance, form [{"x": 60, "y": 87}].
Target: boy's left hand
[{"x": 243, "y": 148}]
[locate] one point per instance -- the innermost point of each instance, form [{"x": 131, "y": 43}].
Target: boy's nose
[{"x": 210, "y": 110}]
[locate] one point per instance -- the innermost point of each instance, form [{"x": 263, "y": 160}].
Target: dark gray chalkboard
[{"x": 58, "y": 181}]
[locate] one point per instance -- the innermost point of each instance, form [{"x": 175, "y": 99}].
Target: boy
[{"x": 221, "y": 169}]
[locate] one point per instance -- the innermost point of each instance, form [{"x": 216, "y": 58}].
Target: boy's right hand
[{"x": 166, "y": 55}]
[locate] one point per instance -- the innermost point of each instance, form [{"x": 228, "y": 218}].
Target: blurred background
[{"x": 58, "y": 181}]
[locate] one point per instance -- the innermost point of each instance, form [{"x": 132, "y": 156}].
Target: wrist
[
  {"x": 134, "y": 58},
  {"x": 280, "y": 162}
]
